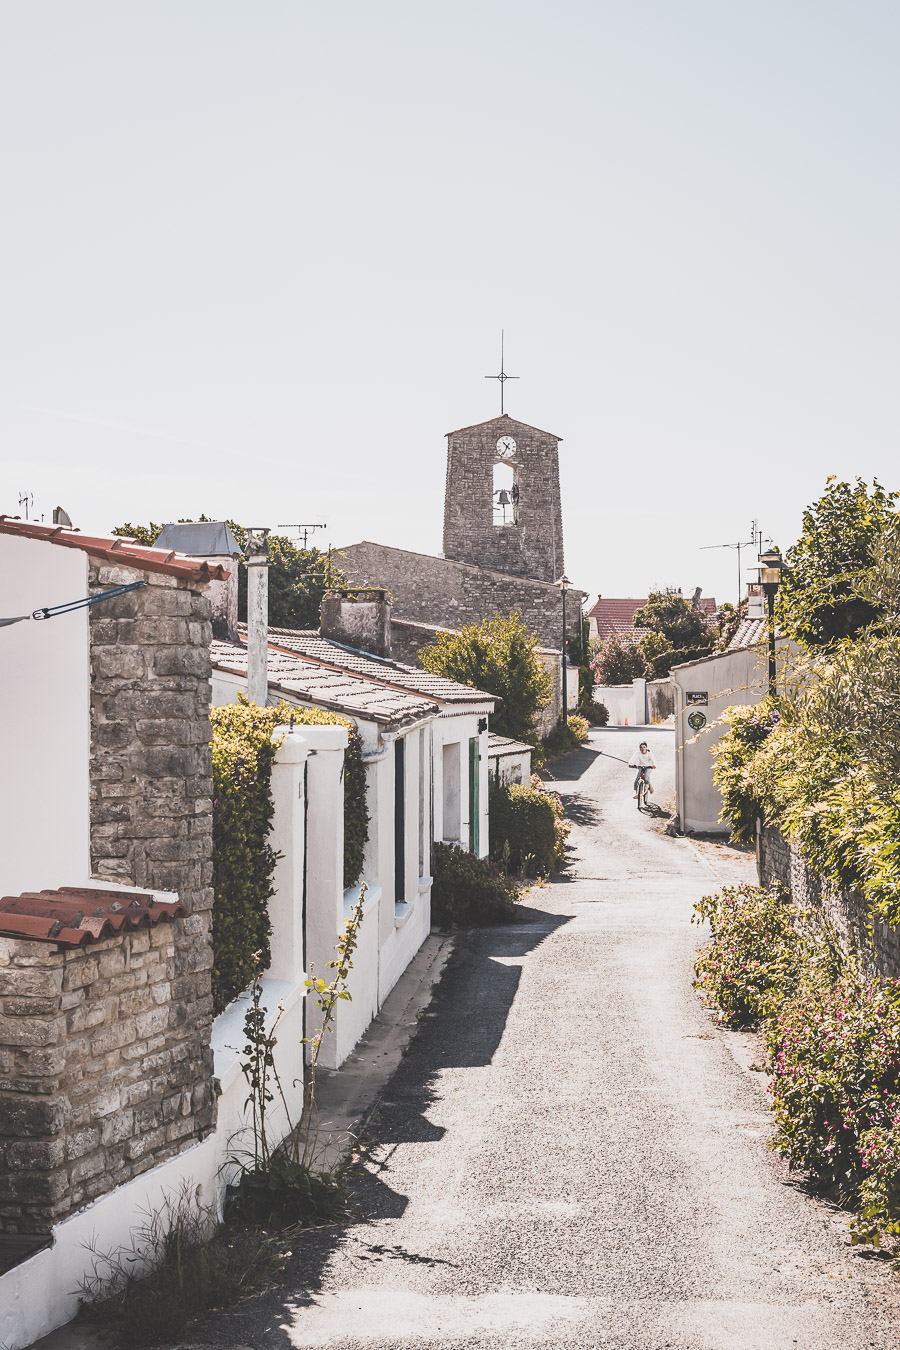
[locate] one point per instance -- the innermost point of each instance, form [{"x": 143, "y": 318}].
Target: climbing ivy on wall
[{"x": 243, "y": 752}]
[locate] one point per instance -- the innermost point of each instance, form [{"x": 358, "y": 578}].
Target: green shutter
[{"x": 474, "y": 794}]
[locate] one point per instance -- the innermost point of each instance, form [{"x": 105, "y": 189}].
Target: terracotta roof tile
[
  {"x": 117, "y": 550},
  {"x": 308, "y": 642},
  {"x": 617, "y": 616},
  {"x": 327, "y": 686},
  {"x": 73, "y": 915}
]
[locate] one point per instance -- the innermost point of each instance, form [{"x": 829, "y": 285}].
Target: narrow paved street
[{"x": 571, "y": 1154}]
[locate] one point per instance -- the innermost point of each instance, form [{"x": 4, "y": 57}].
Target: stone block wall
[
  {"x": 779, "y": 860},
  {"x": 533, "y": 546},
  {"x": 105, "y": 1053},
  {"x": 102, "y": 1074},
  {"x": 450, "y": 594}
]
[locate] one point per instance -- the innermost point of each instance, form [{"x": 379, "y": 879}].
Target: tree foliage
[
  {"x": 500, "y": 656},
  {"x": 618, "y": 659},
  {"x": 826, "y": 769},
  {"x": 821, "y": 600},
  {"x": 676, "y": 632},
  {"x": 298, "y": 577}
]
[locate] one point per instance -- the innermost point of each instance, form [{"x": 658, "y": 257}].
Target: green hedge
[
  {"x": 833, "y": 1038},
  {"x": 528, "y": 833},
  {"x": 243, "y": 752},
  {"x": 469, "y": 890}
]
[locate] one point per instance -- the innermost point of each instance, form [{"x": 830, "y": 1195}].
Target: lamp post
[
  {"x": 563, "y": 585},
  {"x": 770, "y": 565}
]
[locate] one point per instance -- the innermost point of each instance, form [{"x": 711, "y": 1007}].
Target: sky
[{"x": 255, "y": 261}]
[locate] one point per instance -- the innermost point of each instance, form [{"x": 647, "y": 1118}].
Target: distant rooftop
[
  {"x": 199, "y": 539},
  {"x": 617, "y": 616},
  {"x": 308, "y": 642},
  {"x": 342, "y": 691}
]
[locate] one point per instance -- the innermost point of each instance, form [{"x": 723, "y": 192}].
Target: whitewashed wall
[
  {"x": 726, "y": 679},
  {"x": 44, "y": 719}
]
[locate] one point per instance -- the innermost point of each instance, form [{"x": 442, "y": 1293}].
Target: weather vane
[{"x": 502, "y": 377}]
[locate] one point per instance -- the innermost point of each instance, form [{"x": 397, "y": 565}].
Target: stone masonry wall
[
  {"x": 449, "y": 594},
  {"x": 100, "y": 1075},
  {"x": 779, "y": 860},
  {"x": 533, "y": 546},
  {"x": 107, "y": 1065}
]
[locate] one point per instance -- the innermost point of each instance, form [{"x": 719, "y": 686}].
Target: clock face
[{"x": 506, "y": 447}]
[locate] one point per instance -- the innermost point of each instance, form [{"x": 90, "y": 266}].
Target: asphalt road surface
[{"x": 571, "y": 1155}]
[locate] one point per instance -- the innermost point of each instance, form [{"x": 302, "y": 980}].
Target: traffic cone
[{"x": 626, "y": 721}]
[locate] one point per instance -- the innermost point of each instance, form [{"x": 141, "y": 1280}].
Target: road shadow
[
  {"x": 569, "y": 768},
  {"x": 461, "y": 1028}
]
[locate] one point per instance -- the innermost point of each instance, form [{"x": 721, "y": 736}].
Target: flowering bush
[
  {"x": 836, "y": 1078},
  {"x": 618, "y": 659},
  {"x": 469, "y": 890},
  {"x": 754, "y": 956},
  {"x": 834, "y": 1042}
]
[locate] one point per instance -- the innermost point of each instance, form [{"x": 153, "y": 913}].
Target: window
[{"x": 451, "y": 818}]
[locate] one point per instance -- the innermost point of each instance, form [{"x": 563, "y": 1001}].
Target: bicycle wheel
[{"x": 641, "y": 792}]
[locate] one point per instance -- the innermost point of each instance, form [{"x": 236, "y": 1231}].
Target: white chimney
[{"x": 256, "y": 553}]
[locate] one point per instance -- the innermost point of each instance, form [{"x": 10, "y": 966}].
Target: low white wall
[{"x": 626, "y": 703}]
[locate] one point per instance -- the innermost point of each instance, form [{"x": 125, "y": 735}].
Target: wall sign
[
  {"x": 697, "y": 721},
  {"x": 697, "y": 696}
]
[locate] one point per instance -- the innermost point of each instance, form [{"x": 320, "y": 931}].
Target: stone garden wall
[
  {"x": 102, "y": 1075},
  {"x": 779, "y": 860},
  {"x": 105, "y": 1058}
]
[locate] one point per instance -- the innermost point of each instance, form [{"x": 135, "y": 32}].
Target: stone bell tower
[{"x": 502, "y": 505}]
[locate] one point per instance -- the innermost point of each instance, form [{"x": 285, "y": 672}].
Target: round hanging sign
[{"x": 697, "y": 721}]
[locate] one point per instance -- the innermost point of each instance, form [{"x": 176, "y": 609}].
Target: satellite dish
[{"x": 61, "y": 517}]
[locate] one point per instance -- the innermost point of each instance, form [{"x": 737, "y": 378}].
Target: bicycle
[{"x": 643, "y": 789}]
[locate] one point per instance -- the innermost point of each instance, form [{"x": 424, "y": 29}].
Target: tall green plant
[
  {"x": 822, "y": 597},
  {"x": 500, "y": 656},
  {"x": 243, "y": 752}
]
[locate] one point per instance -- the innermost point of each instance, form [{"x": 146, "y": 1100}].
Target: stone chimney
[
  {"x": 359, "y": 617},
  {"x": 210, "y": 539}
]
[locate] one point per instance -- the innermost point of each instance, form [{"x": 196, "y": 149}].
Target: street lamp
[
  {"x": 770, "y": 565},
  {"x": 563, "y": 585}
]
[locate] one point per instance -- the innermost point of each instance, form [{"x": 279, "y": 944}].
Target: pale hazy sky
[{"x": 256, "y": 259}]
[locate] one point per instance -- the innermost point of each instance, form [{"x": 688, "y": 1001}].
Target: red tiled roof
[
  {"x": 117, "y": 549},
  {"x": 617, "y": 616},
  {"x": 74, "y": 915}
]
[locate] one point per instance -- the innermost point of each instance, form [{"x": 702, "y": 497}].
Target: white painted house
[{"x": 425, "y": 752}]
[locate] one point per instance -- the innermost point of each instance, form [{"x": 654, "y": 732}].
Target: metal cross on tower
[{"x": 502, "y": 377}]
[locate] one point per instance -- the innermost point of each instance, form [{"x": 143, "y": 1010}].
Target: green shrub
[
  {"x": 597, "y": 714},
  {"x": 566, "y": 736},
  {"x": 469, "y": 890},
  {"x": 748, "y": 727},
  {"x": 836, "y": 1076},
  {"x": 528, "y": 833},
  {"x": 243, "y": 751},
  {"x": 834, "y": 1042},
  {"x": 754, "y": 954}
]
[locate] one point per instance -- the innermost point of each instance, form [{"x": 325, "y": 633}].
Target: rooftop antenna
[
  {"x": 742, "y": 543},
  {"x": 502, "y": 377},
  {"x": 26, "y": 499},
  {"x": 306, "y": 530}
]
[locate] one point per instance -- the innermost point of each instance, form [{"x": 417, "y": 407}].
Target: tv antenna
[
  {"x": 305, "y": 530},
  {"x": 741, "y": 543},
  {"x": 26, "y": 499}
]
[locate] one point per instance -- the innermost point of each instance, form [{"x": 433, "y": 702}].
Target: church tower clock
[{"x": 502, "y": 505}]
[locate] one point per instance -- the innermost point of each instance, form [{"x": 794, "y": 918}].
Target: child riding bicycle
[{"x": 643, "y": 761}]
